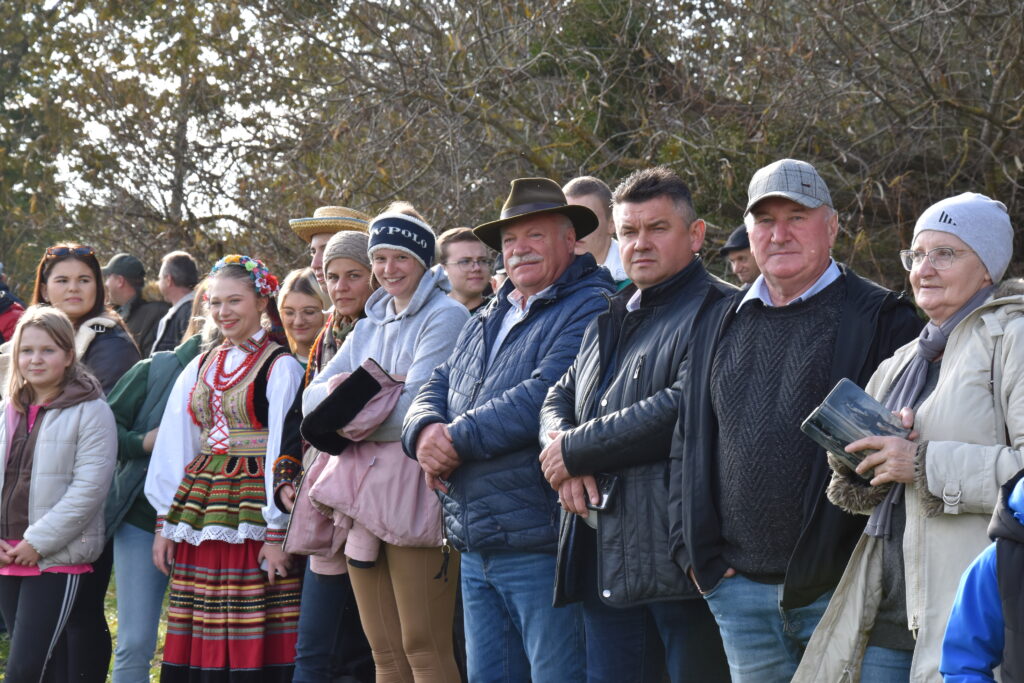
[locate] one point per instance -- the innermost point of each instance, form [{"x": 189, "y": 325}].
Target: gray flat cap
[{"x": 791, "y": 179}]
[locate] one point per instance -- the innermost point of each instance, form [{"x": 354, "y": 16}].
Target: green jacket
[{"x": 137, "y": 401}]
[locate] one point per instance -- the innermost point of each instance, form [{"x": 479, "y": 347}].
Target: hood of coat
[
  {"x": 1007, "y": 301},
  {"x": 1014, "y": 287},
  {"x": 1008, "y": 518},
  {"x": 82, "y": 387},
  {"x": 88, "y": 330},
  {"x": 378, "y": 305}
]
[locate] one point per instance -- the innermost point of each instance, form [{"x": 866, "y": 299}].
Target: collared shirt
[
  {"x": 634, "y": 301},
  {"x": 162, "y": 325},
  {"x": 125, "y": 310},
  {"x": 759, "y": 288},
  {"x": 515, "y": 315},
  {"x": 613, "y": 262}
]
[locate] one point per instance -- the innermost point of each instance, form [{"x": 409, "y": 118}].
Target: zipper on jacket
[
  {"x": 446, "y": 551},
  {"x": 476, "y": 391},
  {"x": 639, "y": 367},
  {"x": 589, "y": 400}
]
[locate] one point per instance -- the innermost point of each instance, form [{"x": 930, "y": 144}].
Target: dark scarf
[
  {"x": 326, "y": 344},
  {"x": 906, "y": 391}
]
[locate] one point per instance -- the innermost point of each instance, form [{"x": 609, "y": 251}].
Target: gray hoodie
[{"x": 409, "y": 344}]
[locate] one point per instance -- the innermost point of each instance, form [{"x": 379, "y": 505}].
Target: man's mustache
[{"x": 515, "y": 261}]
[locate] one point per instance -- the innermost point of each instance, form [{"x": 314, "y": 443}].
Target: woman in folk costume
[{"x": 234, "y": 600}]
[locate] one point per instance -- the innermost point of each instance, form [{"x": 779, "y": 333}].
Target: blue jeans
[
  {"x": 331, "y": 641},
  {"x": 882, "y": 665},
  {"x": 513, "y": 633},
  {"x": 140, "y": 596},
  {"x": 634, "y": 644},
  {"x": 763, "y": 641}
]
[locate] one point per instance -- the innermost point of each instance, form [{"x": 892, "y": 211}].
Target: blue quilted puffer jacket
[{"x": 498, "y": 498}]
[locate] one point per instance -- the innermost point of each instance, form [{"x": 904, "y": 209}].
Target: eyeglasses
[
  {"x": 466, "y": 264},
  {"x": 57, "y": 252},
  {"x": 941, "y": 258}
]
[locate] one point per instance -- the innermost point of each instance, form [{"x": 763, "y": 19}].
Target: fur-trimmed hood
[{"x": 1012, "y": 287}]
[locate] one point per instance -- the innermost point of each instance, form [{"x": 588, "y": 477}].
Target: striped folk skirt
[{"x": 225, "y": 622}]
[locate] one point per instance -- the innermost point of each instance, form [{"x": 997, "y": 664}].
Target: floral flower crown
[{"x": 265, "y": 283}]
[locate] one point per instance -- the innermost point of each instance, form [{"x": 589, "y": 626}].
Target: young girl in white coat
[{"x": 58, "y": 440}]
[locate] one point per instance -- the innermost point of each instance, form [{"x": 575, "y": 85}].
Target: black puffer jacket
[
  {"x": 874, "y": 322},
  {"x": 621, "y": 422}
]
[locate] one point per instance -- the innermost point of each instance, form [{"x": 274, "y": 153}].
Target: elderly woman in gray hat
[{"x": 960, "y": 387}]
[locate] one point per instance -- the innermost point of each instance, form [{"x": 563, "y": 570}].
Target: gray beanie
[
  {"x": 981, "y": 223},
  {"x": 350, "y": 244}
]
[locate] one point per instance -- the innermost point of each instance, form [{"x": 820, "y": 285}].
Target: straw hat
[{"x": 329, "y": 219}]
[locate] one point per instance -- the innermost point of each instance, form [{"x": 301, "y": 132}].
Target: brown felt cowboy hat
[
  {"x": 535, "y": 197},
  {"x": 329, "y": 219}
]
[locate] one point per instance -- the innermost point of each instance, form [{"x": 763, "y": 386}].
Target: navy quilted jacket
[{"x": 498, "y": 498}]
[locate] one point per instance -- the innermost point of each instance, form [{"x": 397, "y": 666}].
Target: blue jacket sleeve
[
  {"x": 511, "y": 420},
  {"x": 973, "y": 646}
]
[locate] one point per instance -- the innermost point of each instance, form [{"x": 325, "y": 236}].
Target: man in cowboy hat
[
  {"x": 474, "y": 429},
  {"x": 326, "y": 221}
]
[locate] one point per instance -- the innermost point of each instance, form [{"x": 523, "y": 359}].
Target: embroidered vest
[{"x": 238, "y": 405}]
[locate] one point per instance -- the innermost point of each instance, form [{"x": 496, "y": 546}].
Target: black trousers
[
  {"x": 83, "y": 654},
  {"x": 36, "y": 610}
]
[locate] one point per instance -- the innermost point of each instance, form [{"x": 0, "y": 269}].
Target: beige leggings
[{"x": 407, "y": 614}]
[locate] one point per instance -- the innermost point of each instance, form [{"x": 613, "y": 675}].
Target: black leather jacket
[{"x": 622, "y": 423}]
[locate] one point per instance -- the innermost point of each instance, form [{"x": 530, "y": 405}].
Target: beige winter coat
[
  {"x": 949, "y": 506},
  {"x": 72, "y": 465}
]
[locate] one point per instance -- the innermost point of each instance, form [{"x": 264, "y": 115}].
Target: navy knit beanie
[{"x": 405, "y": 233}]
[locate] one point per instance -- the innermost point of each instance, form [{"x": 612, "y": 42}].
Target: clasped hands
[
  {"x": 573, "y": 492},
  {"x": 21, "y": 554}
]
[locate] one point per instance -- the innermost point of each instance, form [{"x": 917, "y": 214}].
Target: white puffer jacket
[
  {"x": 73, "y": 463},
  {"x": 968, "y": 457}
]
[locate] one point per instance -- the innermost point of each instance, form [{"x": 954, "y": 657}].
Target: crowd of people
[{"x": 550, "y": 448}]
